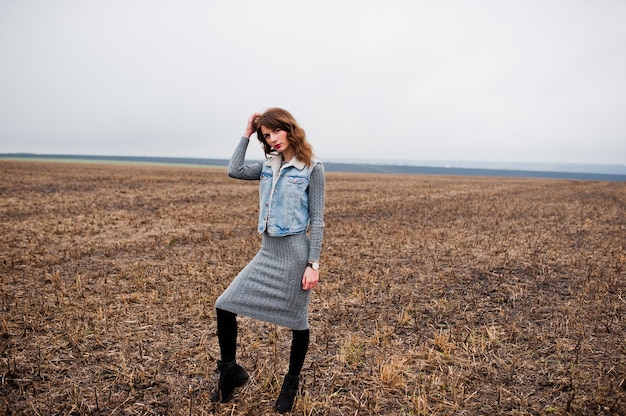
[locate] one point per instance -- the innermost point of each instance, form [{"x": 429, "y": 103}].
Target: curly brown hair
[{"x": 278, "y": 118}]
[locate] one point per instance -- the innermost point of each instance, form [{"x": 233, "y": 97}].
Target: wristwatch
[{"x": 314, "y": 265}]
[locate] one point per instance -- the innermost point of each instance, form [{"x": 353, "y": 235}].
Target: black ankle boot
[
  {"x": 287, "y": 394},
  {"x": 232, "y": 375}
]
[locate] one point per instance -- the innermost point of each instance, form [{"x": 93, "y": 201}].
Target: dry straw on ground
[{"x": 440, "y": 295}]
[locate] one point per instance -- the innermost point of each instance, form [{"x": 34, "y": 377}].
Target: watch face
[{"x": 316, "y": 266}]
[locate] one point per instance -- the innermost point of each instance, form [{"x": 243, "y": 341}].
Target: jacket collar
[{"x": 276, "y": 162}]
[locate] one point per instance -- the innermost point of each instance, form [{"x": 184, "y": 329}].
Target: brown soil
[{"x": 440, "y": 295}]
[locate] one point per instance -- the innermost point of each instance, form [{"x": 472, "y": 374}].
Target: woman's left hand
[{"x": 310, "y": 279}]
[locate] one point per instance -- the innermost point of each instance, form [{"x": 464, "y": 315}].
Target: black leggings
[{"x": 227, "y": 336}]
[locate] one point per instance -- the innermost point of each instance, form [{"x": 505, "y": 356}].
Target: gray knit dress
[{"x": 269, "y": 288}]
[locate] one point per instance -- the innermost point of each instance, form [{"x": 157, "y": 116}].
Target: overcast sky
[{"x": 512, "y": 81}]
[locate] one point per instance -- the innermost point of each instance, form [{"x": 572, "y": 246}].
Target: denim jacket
[{"x": 284, "y": 198}]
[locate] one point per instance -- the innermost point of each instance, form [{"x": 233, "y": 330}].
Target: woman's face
[{"x": 277, "y": 138}]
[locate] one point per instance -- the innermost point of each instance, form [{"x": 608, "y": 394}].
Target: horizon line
[{"x": 566, "y": 170}]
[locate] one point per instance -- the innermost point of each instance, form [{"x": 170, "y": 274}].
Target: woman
[{"x": 275, "y": 286}]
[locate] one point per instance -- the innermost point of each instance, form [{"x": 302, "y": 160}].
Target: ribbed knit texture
[{"x": 269, "y": 288}]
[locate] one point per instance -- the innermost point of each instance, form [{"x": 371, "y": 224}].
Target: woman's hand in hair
[{"x": 252, "y": 125}]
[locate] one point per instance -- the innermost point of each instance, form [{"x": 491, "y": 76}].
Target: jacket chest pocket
[
  {"x": 296, "y": 184},
  {"x": 266, "y": 184},
  {"x": 295, "y": 191}
]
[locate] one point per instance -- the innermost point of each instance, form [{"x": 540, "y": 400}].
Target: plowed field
[{"x": 439, "y": 295}]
